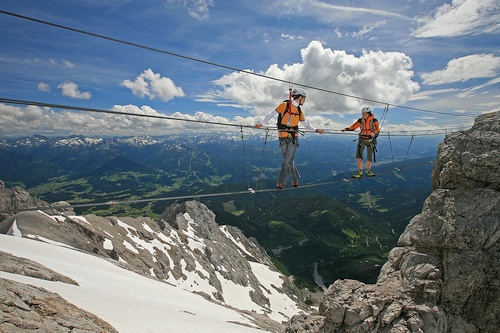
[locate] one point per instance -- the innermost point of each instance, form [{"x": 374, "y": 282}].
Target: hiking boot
[
  {"x": 279, "y": 186},
  {"x": 358, "y": 174},
  {"x": 295, "y": 184},
  {"x": 369, "y": 173}
]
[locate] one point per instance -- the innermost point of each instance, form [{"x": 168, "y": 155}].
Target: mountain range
[{"x": 362, "y": 218}]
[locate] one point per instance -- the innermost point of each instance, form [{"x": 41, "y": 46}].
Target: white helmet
[
  {"x": 298, "y": 92},
  {"x": 366, "y": 109}
]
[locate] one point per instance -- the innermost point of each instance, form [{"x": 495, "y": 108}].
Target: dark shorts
[{"x": 369, "y": 149}]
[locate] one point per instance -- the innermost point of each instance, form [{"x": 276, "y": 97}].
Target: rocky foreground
[{"x": 444, "y": 274}]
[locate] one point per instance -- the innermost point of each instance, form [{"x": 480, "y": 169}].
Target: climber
[
  {"x": 369, "y": 131},
  {"x": 289, "y": 115}
]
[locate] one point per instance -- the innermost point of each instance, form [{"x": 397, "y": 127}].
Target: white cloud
[
  {"x": 70, "y": 89},
  {"x": 62, "y": 63},
  {"x": 473, "y": 91},
  {"x": 207, "y": 98},
  {"x": 461, "y": 17},
  {"x": 374, "y": 75},
  {"x": 153, "y": 86},
  {"x": 330, "y": 9},
  {"x": 30, "y": 120},
  {"x": 42, "y": 86},
  {"x": 465, "y": 68},
  {"x": 199, "y": 9},
  {"x": 367, "y": 29},
  {"x": 144, "y": 110},
  {"x": 430, "y": 94},
  {"x": 67, "y": 64},
  {"x": 291, "y": 37},
  {"x": 467, "y": 100},
  {"x": 414, "y": 126},
  {"x": 10, "y": 115}
]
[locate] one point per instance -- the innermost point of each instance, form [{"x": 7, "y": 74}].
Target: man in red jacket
[{"x": 367, "y": 138}]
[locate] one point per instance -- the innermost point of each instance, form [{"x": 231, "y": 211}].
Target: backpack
[
  {"x": 280, "y": 117},
  {"x": 362, "y": 125}
]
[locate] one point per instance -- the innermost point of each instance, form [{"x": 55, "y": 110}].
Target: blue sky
[{"x": 441, "y": 57}]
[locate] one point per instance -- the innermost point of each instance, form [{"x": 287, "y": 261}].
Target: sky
[
  {"x": 435, "y": 64},
  {"x": 152, "y": 305}
]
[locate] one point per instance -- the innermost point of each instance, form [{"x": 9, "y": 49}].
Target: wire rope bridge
[
  {"x": 252, "y": 190},
  {"x": 241, "y": 127}
]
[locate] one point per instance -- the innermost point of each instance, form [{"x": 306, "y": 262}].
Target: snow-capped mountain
[
  {"x": 185, "y": 249},
  {"x": 132, "y": 141},
  {"x": 103, "y": 297}
]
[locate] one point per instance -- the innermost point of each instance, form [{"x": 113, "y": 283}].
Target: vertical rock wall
[{"x": 444, "y": 274}]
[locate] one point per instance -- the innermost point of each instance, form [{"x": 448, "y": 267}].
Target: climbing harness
[{"x": 364, "y": 141}]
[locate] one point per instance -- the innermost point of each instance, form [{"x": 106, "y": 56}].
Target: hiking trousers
[{"x": 288, "y": 147}]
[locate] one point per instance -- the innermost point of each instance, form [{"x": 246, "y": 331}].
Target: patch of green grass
[
  {"x": 317, "y": 213},
  {"x": 369, "y": 201},
  {"x": 350, "y": 233}
]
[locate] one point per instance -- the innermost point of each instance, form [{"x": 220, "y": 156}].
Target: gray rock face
[
  {"x": 470, "y": 159},
  {"x": 15, "y": 198},
  {"x": 22, "y": 266},
  {"x": 25, "y": 308},
  {"x": 220, "y": 255},
  {"x": 444, "y": 274}
]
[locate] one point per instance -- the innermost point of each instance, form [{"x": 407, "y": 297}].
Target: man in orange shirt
[
  {"x": 367, "y": 138},
  {"x": 289, "y": 115}
]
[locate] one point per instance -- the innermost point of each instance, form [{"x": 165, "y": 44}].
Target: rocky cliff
[
  {"x": 443, "y": 276},
  {"x": 15, "y": 198}
]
